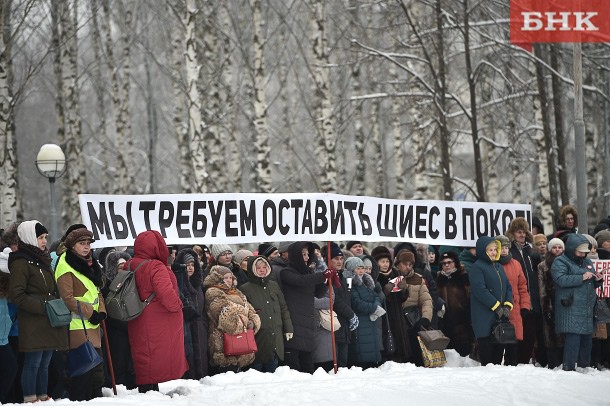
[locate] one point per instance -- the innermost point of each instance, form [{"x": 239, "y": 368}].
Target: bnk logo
[{"x": 534, "y": 21}]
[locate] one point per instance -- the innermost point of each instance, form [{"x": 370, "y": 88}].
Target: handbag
[
  {"x": 58, "y": 313},
  {"x": 83, "y": 358},
  {"x": 434, "y": 339},
  {"x": 431, "y": 358},
  {"x": 325, "y": 320},
  {"x": 602, "y": 311},
  {"x": 239, "y": 344},
  {"x": 503, "y": 332},
  {"x": 389, "y": 344},
  {"x": 412, "y": 315}
]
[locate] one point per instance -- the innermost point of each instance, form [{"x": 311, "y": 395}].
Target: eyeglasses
[{"x": 446, "y": 262}]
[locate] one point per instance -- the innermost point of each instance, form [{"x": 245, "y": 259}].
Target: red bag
[{"x": 239, "y": 344}]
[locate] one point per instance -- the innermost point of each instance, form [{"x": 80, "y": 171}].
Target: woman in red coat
[
  {"x": 521, "y": 297},
  {"x": 156, "y": 337}
]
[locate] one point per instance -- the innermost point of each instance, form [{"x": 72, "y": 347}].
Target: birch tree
[
  {"x": 196, "y": 125},
  {"x": 263, "y": 172},
  {"x": 10, "y": 204},
  {"x": 323, "y": 111},
  {"x": 75, "y": 179}
]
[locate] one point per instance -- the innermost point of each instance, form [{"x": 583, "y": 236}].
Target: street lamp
[{"x": 51, "y": 163}]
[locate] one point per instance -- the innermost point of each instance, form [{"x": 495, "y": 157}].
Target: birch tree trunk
[
  {"x": 418, "y": 141},
  {"x": 559, "y": 127},
  {"x": 196, "y": 126},
  {"x": 489, "y": 149},
  {"x": 216, "y": 168},
  {"x": 441, "y": 101},
  {"x": 120, "y": 186},
  {"x": 75, "y": 179},
  {"x": 379, "y": 179},
  {"x": 10, "y": 203},
  {"x": 397, "y": 137},
  {"x": 542, "y": 170},
  {"x": 474, "y": 125},
  {"x": 100, "y": 87},
  {"x": 129, "y": 184},
  {"x": 325, "y": 123},
  {"x": 592, "y": 174},
  {"x": 180, "y": 127},
  {"x": 263, "y": 172},
  {"x": 547, "y": 152}
]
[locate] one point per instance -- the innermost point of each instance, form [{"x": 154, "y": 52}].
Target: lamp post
[{"x": 51, "y": 163}]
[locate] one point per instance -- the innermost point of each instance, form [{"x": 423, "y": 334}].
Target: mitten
[
  {"x": 289, "y": 336},
  {"x": 379, "y": 311},
  {"x": 250, "y": 325},
  {"x": 331, "y": 274},
  {"x": 336, "y": 281},
  {"x": 96, "y": 318},
  {"x": 353, "y": 323},
  {"x": 425, "y": 323},
  {"x": 525, "y": 312},
  {"x": 441, "y": 312},
  {"x": 501, "y": 312}
]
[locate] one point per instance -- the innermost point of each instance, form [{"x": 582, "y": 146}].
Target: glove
[
  {"x": 502, "y": 311},
  {"x": 353, "y": 323},
  {"x": 425, "y": 323},
  {"x": 250, "y": 325},
  {"x": 379, "y": 311},
  {"x": 441, "y": 312},
  {"x": 289, "y": 336},
  {"x": 332, "y": 275},
  {"x": 525, "y": 312},
  {"x": 96, "y": 318}
]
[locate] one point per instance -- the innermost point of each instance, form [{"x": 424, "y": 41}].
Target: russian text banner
[{"x": 238, "y": 218}]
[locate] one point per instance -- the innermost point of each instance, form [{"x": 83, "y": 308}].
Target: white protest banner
[
  {"x": 603, "y": 266},
  {"x": 238, "y": 218}
]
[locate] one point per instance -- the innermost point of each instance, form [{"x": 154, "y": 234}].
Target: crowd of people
[{"x": 545, "y": 285}]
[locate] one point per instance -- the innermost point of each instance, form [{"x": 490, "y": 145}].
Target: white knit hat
[
  {"x": 217, "y": 249},
  {"x": 555, "y": 241},
  {"x": 4, "y": 260}
]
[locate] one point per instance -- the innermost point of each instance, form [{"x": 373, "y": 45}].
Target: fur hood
[
  {"x": 519, "y": 223},
  {"x": 563, "y": 213}
]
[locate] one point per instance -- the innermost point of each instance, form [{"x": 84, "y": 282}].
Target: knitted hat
[
  {"x": 4, "y": 260},
  {"x": 539, "y": 238},
  {"x": 367, "y": 262},
  {"x": 217, "y": 249},
  {"x": 283, "y": 247},
  {"x": 602, "y": 237},
  {"x": 79, "y": 234},
  {"x": 405, "y": 256},
  {"x": 554, "y": 242},
  {"x": 265, "y": 249},
  {"x": 352, "y": 263},
  {"x": 335, "y": 250},
  {"x": 503, "y": 240},
  {"x": 40, "y": 230},
  {"x": 241, "y": 255},
  {"x": 381, "y": 252},
  {"x": 350, "y": 244},
  {"x": 188, "y": 258}
]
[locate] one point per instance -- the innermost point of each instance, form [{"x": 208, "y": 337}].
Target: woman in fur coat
[{"x": 229, "y": 312}]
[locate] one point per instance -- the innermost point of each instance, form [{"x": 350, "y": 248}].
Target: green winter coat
[
  {"x": 31, "y": 283},
  {"x": 267, "y": 299}
]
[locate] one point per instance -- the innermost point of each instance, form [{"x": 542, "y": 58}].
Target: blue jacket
[
  {"x": 5, "y": 321},
  {"x": 489, "y": 289},
  {"x": 574, "y": 298},
  {"x": 365, "y": 346}
]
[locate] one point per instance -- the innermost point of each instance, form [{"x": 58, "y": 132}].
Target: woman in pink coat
[
  {"x": 157, "y": 335},
  {"x": 521, "y": 297}
]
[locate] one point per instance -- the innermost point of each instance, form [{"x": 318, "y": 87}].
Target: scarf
[
  {"x": 35, "y": 253},
  {"x": 86, "y": 266},
  {"x": 505, "y": 259},
  {"x": 449, "y": 272},
  {"x": 228, "y": 290}
]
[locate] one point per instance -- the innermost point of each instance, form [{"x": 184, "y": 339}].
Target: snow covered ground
[{"x": 461, "y": 382}]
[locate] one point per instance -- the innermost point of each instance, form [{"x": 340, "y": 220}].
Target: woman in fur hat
[
  {"x": 407, "y": 291},
  {"x": 454, "y": 288},
  {"x": 229, "y": 312},
  {"x": 31, "y": 284},
  {"x": 79, "y": 280}
]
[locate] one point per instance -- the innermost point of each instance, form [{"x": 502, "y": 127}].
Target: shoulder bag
[
  {"x": 325, "y": 320},
  {"x": 83, "y": 358},
  {"x": 239, "y": 344},
  {"x": 389, "y": 344},
  {"x": 57, "y": 311}
]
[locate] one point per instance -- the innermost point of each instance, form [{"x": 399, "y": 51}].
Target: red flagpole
[{"x": 332, "y": 319}]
